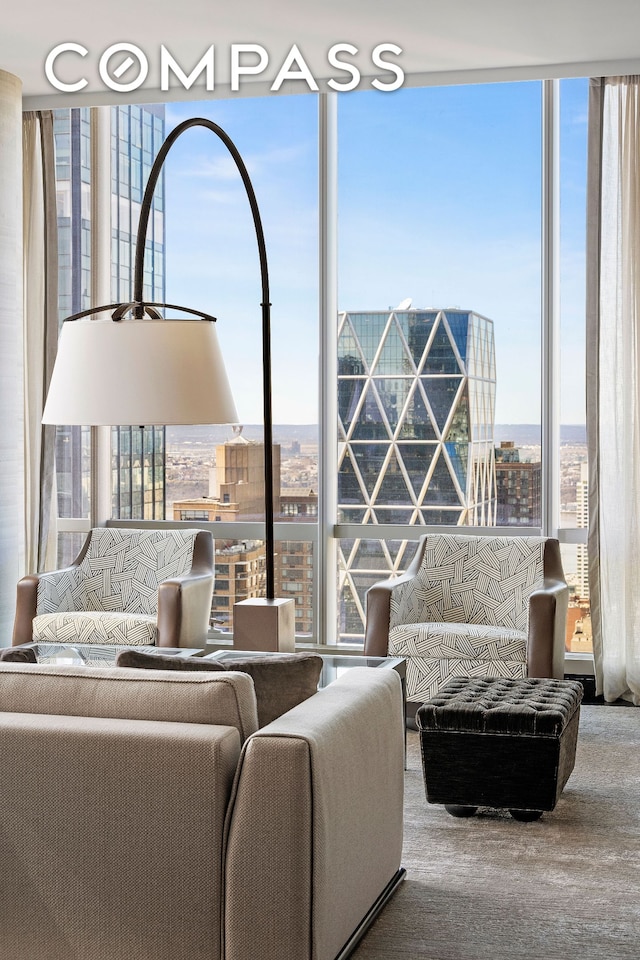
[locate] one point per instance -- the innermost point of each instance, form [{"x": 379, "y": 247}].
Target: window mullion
[
  {"x": 550, "y": 307},
  {"x": 100, "y": 293},
  {"x": 326, "y": 555}
]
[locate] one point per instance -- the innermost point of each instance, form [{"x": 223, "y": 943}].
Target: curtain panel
[
  {"x": 40, "y": 271},
  {"x": 613, "y": 382}
]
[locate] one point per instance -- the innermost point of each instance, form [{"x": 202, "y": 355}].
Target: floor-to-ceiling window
[
  {"x": 138, "y": 481},
  {"x": 439, "y": 375},
  {"x": 137, "y": 460},
  {"x": 215, "y": 474},
  {"x": 574, "y": 487},
  {"x": 72, "y": 136},
  {"x": 438, "y": 332}
]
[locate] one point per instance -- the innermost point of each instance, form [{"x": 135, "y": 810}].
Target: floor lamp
[{"x": 138, "y": 367}]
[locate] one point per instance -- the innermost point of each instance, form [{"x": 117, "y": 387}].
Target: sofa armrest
[
  {"x": 547, "y": 629},
  {"x": 314, "y": 832}
]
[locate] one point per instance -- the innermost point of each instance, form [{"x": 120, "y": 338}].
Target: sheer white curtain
[
  {"x": 613, "y": 382},
  {"x": 40, "y": 268}
]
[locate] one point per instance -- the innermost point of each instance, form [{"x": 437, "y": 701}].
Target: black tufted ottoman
[{"x": 499, "y": 743}]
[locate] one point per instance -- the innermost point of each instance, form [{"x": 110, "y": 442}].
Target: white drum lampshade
[{"x": 139, "y": 372}]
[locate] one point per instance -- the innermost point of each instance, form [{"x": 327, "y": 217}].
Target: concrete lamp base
[{"x": 268, "y": 625}]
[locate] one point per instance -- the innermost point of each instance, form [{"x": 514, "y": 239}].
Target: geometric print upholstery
[
  {"x": 465, "y": 641},
  {"x": 425, "y": 677},
  {"x": 120, "y": 572},
  {"x": 435, "y": 652},
  {"x": 466, "y": 611},
  {"x": 466, "y": 579},
  {"x": 96, "y": 627}
]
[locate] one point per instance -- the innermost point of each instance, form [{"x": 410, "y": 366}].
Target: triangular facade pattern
[{"x": 416, "y": 399}]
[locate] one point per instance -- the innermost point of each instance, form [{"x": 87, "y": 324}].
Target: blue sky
[{"x": 439, "y": 200}]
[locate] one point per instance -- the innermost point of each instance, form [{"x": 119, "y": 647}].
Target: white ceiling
[{"x": 442, "y": 40}]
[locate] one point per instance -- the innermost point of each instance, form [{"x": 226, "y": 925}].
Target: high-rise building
[
  {"x": 518, "y": 488},
  {"x": 138, "y": 452},
  {"x": 136, "y": 135},
  {"x": 294, "y": 572},
  {"x": 416, "y": 395},
  {"x": 416, "y": 399},
  {"x": 236, "y": 484},
  {"x": 240, "y": 573},
  {"x": 236, "y": 492}
]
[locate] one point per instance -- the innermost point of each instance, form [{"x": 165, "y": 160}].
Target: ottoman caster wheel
[
  {"x": 459, "y": 810},
  {"x": 526, "y": 816}
]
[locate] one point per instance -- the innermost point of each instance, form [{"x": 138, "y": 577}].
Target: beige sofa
[{"x": 144, "y": 816}]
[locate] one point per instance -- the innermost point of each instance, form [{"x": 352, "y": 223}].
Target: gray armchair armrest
[
  {"x": 26, "y": 605},
  {"x": 27, "y": 601},
  {"x": 547, "y": 626},
  {"x": 184, "y": 609},
  {"x": 184, "y": 603},
  {"x": 548, "y": 618}
]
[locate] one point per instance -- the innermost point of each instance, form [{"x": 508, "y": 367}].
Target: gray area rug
[{"x": 490, "y": 888}]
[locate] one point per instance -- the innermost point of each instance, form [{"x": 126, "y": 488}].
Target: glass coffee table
[
  {"x": 333, "y": 666},
  {"x": 104, "y": 655},
  {"x": 96, "y": 654}
]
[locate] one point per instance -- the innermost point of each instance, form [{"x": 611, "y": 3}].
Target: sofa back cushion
[
  {"x": 281, "y": 680},
  {"x": 467, "y": 579},
  {"x": 222, "y": 698}
]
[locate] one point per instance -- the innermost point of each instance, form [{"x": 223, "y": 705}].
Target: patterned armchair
[
  {"x": 127, "y": 587},
  {"x": 472, "y": 606}
]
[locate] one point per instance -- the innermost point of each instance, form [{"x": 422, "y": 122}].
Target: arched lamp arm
[{"x": 138, "y": 307}]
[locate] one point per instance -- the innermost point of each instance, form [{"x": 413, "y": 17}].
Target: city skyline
[
  {"x": 295, "y": 353},
  {"x": 456, "y": 221}
]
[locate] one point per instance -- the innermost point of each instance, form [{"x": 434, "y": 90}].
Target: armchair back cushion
[
  {"x": 120, "y": 571},
  {"x": 474, "y": 580}
]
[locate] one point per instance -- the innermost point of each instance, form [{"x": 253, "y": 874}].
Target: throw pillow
[
  {"x": 281, "y": 681},
  {"x": 18, "y": 655},
  {"x": 159, "y": 661}
]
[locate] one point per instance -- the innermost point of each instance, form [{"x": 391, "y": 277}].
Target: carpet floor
[{"x": 490, "y": 888}]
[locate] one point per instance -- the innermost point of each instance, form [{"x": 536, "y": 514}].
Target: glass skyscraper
[
  {"x": 416, "y": 401},
  {"x": 138, "y": 479},
  {"x": 416, "y": 393},
  {"x": 138, "y": 453}
]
